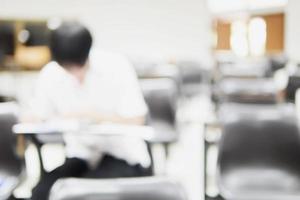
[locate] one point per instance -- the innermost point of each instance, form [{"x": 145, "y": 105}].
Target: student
[{"x": 97, "y": 86}]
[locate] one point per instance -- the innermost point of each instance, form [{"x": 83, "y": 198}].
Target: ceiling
[{"x": 225, "y": 6}]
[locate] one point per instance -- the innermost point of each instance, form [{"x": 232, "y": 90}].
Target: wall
[
  {"x": 142, "y": 28},
  {"x": 293, "y": 30}
]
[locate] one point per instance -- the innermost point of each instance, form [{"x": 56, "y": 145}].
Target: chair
[
  {"x": 11, "y": 166},
  {"x": 245, "y": 68},
  {"x": 5, "y": 98},
  {"x": 278, "y": 62},
  {"x": 193, "y": 77},
  {"x": 259, "y": 91},
  {"x": 161, "y": 98},
  {"x": 156, "y": 69},
  {"x": 292, "y": 86},
  {"x": 117, "y": 189},
  {"x": 259, "y": 153}
]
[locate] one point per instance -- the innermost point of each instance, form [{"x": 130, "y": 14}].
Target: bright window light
[
  {"x": 257, "y": 36},
  {"x": 238, "y": 38}
]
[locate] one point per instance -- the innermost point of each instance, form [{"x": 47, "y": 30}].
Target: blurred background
[
  {"x": 151, "y": 33},
  {"x": 206, "y": 53}
]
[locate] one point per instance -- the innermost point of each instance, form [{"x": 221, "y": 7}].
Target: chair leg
[
  {"x": 149, "y": 147},
  {"x": 166, "y": 149},
  {"x": 214, "y": 198},
  {"x": 12, "y": 197},
  {"x": 39, "y": 145}
]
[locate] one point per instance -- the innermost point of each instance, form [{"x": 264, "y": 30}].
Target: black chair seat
[
  {"x": 260, "y": 182},
  {"x": 259, "y": 153}
]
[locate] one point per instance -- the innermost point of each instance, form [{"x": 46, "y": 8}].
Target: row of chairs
[
  {"x": 260, "y": 67},
  {"x": 248, "y": 75},
  {"x": 259, "y": 152},
  {"x": 257, "y": 91},
  {"x": 189, "y": 76},
  {"x": 259, "y": 144},
  {"x": 262, "y": 90}
]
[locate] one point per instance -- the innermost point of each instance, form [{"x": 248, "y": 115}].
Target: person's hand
[{"x": 28, "y": 118}]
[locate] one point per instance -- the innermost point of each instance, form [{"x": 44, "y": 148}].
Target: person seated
[{"x": 96, "y": 86}]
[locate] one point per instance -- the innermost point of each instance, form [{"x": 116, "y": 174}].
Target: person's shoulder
[
  {"x": 50, "y": 71},
  {"x": 50, "y": 67}
]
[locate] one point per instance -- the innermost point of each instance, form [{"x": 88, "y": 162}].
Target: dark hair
[{"x": 70, "y": 44}]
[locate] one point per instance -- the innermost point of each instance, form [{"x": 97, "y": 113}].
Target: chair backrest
[
  {"x": 7, "y": 42},
  {"x": 278, "y": 62},
  {"x": 242, "y": 71},
  {"x": 261, "y": 91},
  {"x": 292, "y": 86},
  {"x": 4, "y": 98},
  {"x": 259, "y": 136},
  {"x": 150, "y": 188},
  {"x": 161, "y": 98},
  {"x": 9, "y": 161},
  {"x": 193, "y": 72}
]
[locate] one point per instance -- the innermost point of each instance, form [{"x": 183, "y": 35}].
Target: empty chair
[
  {"x": 259, "y": 153},
  {"x": 147, "y": 69},
  {"x": 260, "y": 91},
  {"x": 246, "y": 68},
  {"x": 193, "y": 77},
  {"x": 5, "y": 98},
  {"x": 292, "y": 86},
  {"x": 161, "y": 98},
  {"x": 7, "y": 41},
  {"x": 117, "y": 189},
  {"x": 278, "y": 62},
  {"x": 11, "y": 166}
]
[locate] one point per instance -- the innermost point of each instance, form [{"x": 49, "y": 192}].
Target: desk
[
  {"x": 33, "y": 130},
  {"x": 144, "y": 132}
]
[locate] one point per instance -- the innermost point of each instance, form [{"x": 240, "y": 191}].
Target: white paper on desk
[
  {"x": 121, "y": 129},
  {"x": 53, "y": 126}
]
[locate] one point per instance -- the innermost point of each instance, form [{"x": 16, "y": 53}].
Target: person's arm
[
  {"x": 97, "y": 117},
  {"x": 138, "y": 120}
]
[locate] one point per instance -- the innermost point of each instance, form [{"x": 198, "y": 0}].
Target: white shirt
[{"x": 110, "y": 87}]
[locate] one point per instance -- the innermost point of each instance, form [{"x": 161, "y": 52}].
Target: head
[{"x": 70, "y": 45}]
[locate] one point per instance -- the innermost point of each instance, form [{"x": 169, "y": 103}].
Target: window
[
  {"x": 238, "y": 38},
  {"x": 248, "y": 37},
  {"x": 257, "y": 36},
  {"x": 254, "y": 36}
]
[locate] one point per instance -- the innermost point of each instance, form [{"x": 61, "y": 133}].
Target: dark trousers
[{"x": 109, "y": 167}]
